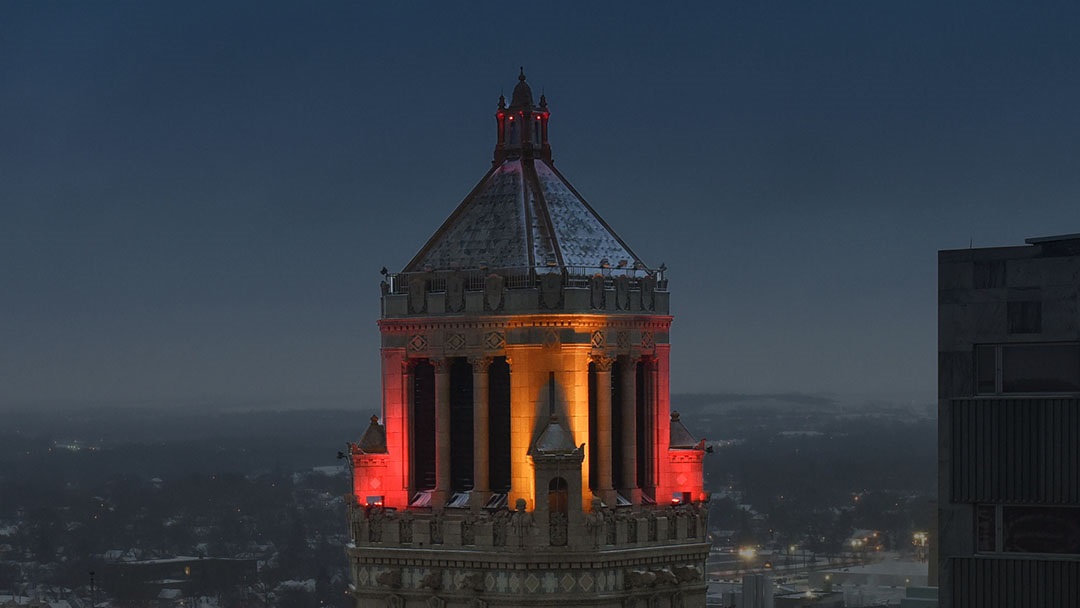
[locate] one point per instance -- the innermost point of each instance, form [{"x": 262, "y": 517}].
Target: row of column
[
  {"x": 604, "y": 452},
  {"x": 481, "y": 465},
  {"x": 628, "y": 432}
]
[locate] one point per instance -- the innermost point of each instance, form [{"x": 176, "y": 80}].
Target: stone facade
[{"x": 526, "y": 454}]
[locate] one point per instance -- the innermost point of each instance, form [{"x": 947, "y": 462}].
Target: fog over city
[{"x": 197, "y": 198}]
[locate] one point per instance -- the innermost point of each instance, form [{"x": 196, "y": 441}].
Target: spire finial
[{"x": 521, "y": 76}]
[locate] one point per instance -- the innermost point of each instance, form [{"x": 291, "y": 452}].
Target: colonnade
[{"x": 625, "y": 444}]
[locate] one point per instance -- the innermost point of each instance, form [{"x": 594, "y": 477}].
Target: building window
[
  {"x": 1027, "y": 529},
  {"x": 1025, "y": 317},
  {"x": 1027, "y": 368},
  {"x": 988, "y": 274}
]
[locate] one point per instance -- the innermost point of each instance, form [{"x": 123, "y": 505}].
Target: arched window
[{"x": 558, "y": 495}]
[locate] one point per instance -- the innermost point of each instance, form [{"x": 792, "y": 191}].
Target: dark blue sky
[{"x": 195, "y": 199}]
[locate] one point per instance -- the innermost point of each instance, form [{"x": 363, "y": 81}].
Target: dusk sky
[{"x": 196, "y": 198}]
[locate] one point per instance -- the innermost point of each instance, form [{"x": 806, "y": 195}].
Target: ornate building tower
[{"x": 526, "y": 455}]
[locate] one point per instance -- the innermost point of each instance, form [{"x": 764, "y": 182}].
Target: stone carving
[
  {"x": 636, "y": 579},
  {"x": 651, "y": 522},
  {"x": 432, "y": 580},
  {"x": 395, "y": 601},
  {"x": 623, "y": 340},
  {"x": 455, "y": 341},
  {"x": 664, "y": 576},
  {"x": 691, "y": 524},
  {"x": 602, "y": 362},
  {"x": 612, "y": 527},
  {"x": 648, "y": 287},
  {"x": 418, "y": 342},
  {"x": 455, "y": 292},
  {"x": 436, "y": 528},
  {"x": 622, "y": 292},
  {"x": 471, "y": 581},
  {"x": 479, "y": 603},
  {"x": 551, "y": 290},
  {"x": 557, "y": 529},
  {"x": 493, "y": 292},
  {"x": 677, "y": 599},
  {"x": 418, "y": 293},
  {"x": 468, "y": 529},
  {"x": 479, "y": 363},
  {"x": 521, "y": 522},
  {"x": 647, "y": 342},
  {"x": 498, "y": 528},
  {"x": 672, "y": 524},
  {"x": 405, "y": 527},
  {"x": 598, "y": 340},
  {"x": 687, "y": 573},
  {"x": 494, "y": 340},
  {"x": 375, "y": 524},
  {"x": 551, "y": 339},
  {"x": 436, "y": 602},
  {"x": 631, "y": 529},
  {"x": 596, "y": 292},
  {"x": 391, "y": 578},
  {"x": 594, "y": 521}
]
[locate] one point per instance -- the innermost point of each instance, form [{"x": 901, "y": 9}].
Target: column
[
  {"x": 442, "y": 432},
  {"x": 481, "y": 430},
  {"x": 407, "y": 428},
  {"x": 652, "y": 416},
  {"x": 602, "y": 366},
  {"x": 629, "y": 430}
]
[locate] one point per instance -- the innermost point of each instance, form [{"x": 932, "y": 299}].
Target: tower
[{"x": 526, "y": 454}]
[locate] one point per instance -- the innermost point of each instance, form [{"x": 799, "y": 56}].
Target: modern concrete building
[
  {"x": 1009, "y": 425},
  {"x": 526, "y": 454}
]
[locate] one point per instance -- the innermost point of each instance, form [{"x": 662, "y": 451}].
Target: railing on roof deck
[
  {"x": 461, "y": 528},
  {"x": 524, "y": 277}
]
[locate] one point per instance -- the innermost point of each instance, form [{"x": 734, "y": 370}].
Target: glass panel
[
  {"x": 1040, "y": 368},
  {"x": 1041, "y": 529}
]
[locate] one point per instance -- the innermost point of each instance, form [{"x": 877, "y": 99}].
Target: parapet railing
[
  {"x": 463, "y": 529},
  {"x": 523, "y": 277}
]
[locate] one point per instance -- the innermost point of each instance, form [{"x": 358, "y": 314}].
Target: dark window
[
  {"x": 1027, "y": 368},
  {"x": 1040, "y": 368},
  {"x": 1025, "y": 317},
  {"x": 642, "y": 424},
  {"x": 1040, "y": 529},
  {"x": 423, "y": 415},
  {"x": 499, "y": 425},
  {"x": 461, "y": 425},
  {"x": 617, "y": 372},
  {"x": 989, "y": 274},
  {"x": 593, "y": 453},
  {"x": 558, "y": 495}
]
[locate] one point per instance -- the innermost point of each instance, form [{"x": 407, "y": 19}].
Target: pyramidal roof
[{"x": 523, "y": 213}]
